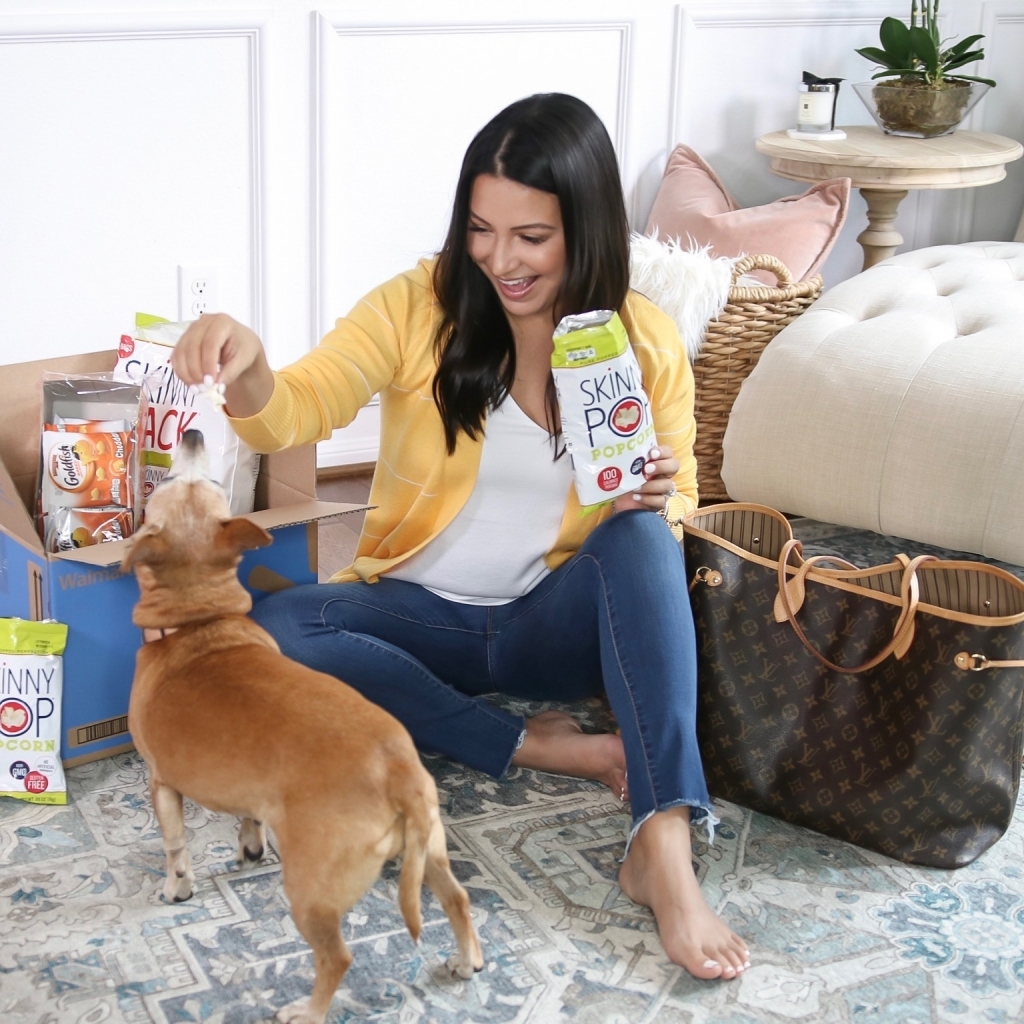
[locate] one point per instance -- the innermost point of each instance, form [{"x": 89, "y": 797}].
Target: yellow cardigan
[{"x": 386, "y": 345}]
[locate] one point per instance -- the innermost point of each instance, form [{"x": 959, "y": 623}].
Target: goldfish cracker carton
[
  {"x": 87, "y": 470},
  {"x": 606, "y": 415},
  {"x": 31, "y": 688},
  {"x": 90, "y": 443}
]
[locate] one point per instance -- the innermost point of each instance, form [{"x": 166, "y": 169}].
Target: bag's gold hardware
[
  {"x": 978, "y": 662},
  {"x": 712, "y": 577},
  {"x": 971, "y": 662}
]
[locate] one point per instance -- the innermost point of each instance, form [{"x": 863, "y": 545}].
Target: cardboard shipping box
[{"x": 86, "y": 589}]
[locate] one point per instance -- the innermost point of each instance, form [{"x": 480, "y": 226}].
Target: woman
[{"x": 475, "y": 573}]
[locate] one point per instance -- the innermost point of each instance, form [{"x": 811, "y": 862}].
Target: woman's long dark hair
[{"x": 557, "y": 144}]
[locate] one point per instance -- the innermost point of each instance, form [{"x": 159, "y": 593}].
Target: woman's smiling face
[{"x": 516, "y": 239}]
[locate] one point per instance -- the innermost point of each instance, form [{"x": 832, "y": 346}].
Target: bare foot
[
  {"x": 555, "y": 743},
  {"x": 658, "y": 873}
]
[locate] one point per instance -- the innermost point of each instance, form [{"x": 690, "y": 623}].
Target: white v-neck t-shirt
[{"x": 493, "y": 550}]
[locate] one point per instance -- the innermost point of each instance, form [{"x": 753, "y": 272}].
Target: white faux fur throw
[{"x": 688, "y": 284}]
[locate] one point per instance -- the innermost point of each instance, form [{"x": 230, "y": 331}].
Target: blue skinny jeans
[{"x": 615, "y": 618}]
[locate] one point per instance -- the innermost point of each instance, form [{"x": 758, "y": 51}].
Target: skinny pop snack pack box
[
  {"x": 606, "y": 415},
  {"x": 175, "y": 407}
]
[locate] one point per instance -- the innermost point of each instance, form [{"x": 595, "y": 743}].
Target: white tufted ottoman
[{"x": 896, "y": 404}]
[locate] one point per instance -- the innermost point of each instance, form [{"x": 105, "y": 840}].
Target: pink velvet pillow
[{"x": 798, "y": 230}]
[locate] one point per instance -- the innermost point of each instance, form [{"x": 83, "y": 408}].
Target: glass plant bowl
[{"x": 918, "y": 110}]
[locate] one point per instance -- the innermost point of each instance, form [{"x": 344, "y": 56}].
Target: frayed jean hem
[
  {"x": 515, "y": 750},
  {"x": 699, "y": 813}
]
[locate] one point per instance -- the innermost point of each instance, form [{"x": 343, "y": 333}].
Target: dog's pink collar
[{"x": 149, "y": 635}]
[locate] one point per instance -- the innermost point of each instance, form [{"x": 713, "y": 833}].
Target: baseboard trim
[{"x": 349, "y": 469}]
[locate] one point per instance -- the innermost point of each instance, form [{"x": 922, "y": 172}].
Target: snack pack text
[
  {"x": 171, "y": 402},
  {"x": 164, "y": 427}
]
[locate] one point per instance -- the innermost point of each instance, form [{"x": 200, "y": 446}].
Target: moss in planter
[{"x": 922, "y": 108}]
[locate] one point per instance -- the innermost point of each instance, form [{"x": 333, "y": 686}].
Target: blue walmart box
[{"x": 86, "y": 588}]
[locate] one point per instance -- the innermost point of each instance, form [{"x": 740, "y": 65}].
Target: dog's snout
[
  {"x": 190, "y": 461},
  {"x": 192, "y": 441}
]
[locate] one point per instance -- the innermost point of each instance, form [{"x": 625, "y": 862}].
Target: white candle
[{"x": 815, "y": 108}]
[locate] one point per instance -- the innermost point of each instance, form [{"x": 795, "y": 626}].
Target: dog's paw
[
  {"x": 177, "y": 890},
  {"x": 462, "y": 968},
  {"x": 245, "y": 855},
  {"x": 299, "y": 1013},
  {"x": 251, "y": 841}
]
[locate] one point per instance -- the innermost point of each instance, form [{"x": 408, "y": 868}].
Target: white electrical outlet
[{"x": 198, "y": 290}]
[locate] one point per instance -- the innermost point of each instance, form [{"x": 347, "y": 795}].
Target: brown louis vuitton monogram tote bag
[{"x": 882, "y": 706}]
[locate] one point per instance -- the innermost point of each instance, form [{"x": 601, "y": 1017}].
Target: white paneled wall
[
  {"x": 415, "y": 163},
  {"x": 127, "y": 146},
  {"x": 310, "y": 152},
  {"x": 1002, "y": 112}
]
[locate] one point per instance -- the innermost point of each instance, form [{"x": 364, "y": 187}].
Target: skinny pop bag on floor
[
  {"x": 31, "y": 686},
  {"x": 606, "y": 416}
]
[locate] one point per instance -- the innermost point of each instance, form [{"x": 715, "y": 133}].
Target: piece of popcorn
[{"x": 214, "y": 392}]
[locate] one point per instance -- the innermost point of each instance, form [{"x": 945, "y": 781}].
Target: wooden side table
[{"x": 885, "y": 167}]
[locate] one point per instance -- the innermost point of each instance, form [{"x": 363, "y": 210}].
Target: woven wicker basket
[{"x": 732, "y": 346}]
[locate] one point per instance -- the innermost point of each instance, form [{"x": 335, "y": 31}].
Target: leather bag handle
[
  {"x": 903, "y": 634},
  {"x": 796, "y": 586}
]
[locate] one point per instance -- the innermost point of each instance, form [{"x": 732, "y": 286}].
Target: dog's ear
[
  {"x": 241, "y": 534},
  {"x": 146, "y": 547}
]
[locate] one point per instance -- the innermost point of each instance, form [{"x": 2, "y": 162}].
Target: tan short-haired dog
[{"x": 222, "y": 717}]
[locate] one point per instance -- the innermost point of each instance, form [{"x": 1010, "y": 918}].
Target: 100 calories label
[{"x": 606, "y": 415}]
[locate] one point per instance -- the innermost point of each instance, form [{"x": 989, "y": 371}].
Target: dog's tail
[{"x": 418, "y": 824}]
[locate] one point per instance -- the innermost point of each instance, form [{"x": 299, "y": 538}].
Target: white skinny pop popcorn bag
[
  {"x": 31, "y": 685},
  {"x": 175, "y": 407},
  {"x": 606, "y": 415}
]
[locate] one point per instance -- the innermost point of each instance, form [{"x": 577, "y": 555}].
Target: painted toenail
[{"x": 711, "y": 963}]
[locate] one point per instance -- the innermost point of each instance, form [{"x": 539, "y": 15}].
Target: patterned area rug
[{"x": 837, "y": 934}]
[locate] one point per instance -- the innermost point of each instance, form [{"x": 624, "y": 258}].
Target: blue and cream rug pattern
[{"x": 837, "y": 934}]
